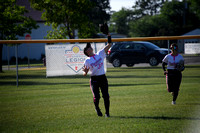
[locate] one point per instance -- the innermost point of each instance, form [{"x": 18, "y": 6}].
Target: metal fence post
[
  {"x": 8, "y": 56},
  {"x": 28, "y": 56},
  {"x": 95, "y": 46},
  {"x": 16, "y": 56}
]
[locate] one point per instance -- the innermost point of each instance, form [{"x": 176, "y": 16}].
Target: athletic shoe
[
  {"x": 107, "y": 115},
  {"x": 173, "y": 102},
  {"x": 99, "y": 112}
]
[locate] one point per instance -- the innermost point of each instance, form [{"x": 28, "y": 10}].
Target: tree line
[{"x": 149, "y": 18}]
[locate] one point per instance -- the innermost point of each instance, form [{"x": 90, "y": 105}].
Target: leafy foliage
[
  {"x": 66, "y": 16},
  {"x": 195, "y": 7},
  {"x": 120, "y": 21},
  {"x": 148, "y": 7},
  {"x": 13, "y": 23},
  {"x": 179, "y": 17}
]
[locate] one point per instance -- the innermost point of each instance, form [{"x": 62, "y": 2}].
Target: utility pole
[{"x": 184, "y": 12}]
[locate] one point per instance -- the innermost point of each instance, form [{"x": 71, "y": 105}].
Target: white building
[{"x": 181, "y": 43}]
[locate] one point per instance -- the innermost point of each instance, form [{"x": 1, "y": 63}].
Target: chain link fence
[{"x": 34, "y": 65}]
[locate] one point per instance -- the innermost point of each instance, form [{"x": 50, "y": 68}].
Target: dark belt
[
  {"x": 173, "y": 71},
  {"x": 98, "y": 76}
]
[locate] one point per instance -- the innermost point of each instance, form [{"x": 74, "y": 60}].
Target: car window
[
  {"x": 139, "y": 46},
  {"x": 127, "y": 46},
  {"x": 116, "y": 46},
  {"x": 150, "y": 45}
]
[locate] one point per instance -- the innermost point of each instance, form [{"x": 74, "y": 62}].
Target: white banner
[
  {"x": 192, "y": 48},
  {"x": 67, "y": 59}
]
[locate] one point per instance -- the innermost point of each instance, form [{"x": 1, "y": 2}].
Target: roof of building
[{"x": 193, "y": 32}]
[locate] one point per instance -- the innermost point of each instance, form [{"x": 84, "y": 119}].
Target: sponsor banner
[
  {"x": 67, "y": 59},
  {"x": 192, "y": 48}
]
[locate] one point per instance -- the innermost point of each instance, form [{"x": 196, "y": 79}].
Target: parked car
[{"x": 131, "y": 53}]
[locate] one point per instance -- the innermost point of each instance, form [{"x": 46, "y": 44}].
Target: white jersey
[
  {"x": 96, "y": 63},
  {"x": 172, "y": 60}
]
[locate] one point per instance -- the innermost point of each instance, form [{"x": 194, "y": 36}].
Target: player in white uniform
[
  {"x": 95, "y": 63},
  {"x": 175, "y": 65}
]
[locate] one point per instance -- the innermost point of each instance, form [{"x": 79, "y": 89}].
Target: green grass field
[{"x": 139, "y": 103}]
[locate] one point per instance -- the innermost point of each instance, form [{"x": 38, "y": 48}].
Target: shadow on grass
[
  {"x": 196, "y": 66},
  {"x": 81, "y": 84},
  {"x": 8, "y": 77},
  {"x": 135, "y": 76},
  {"x": 39, "y": 83},
  {"x": 38, "y": 76},
  {"x": 124, "y": 69},
  {"x": 155, "y": 117},
  {"x": 189, "y": 77},
  {"x": 115, "y": 85}
]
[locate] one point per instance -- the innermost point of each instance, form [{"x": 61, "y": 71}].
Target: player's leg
[
  {"x": 177, "y": 82},
  {"x": 175, "y": 95},
  {"x": 170, "y": 85},
  {"x": 96, "y": 96},
  {"x": 105, "y": 94},
  {"x": 169, "y": 82}
]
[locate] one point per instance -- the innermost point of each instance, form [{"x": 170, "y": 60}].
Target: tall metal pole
[
  {"x": 28, "y": 37},
  {"x": 16, "y": 55},
  {"x": 168, "y": 46},
  {"x": 8, "y": 55},
  {"x": 28, "y": 56}
]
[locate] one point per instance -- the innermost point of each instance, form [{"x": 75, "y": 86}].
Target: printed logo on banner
[{"x": 74, "y": 58}]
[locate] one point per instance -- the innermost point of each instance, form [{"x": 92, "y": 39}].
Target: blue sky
[{"x": 116, "y": 5}]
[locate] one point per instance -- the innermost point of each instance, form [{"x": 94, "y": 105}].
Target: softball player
[
  {"x": 175, "y": 65},
  {"x": 95, "y": 63}
]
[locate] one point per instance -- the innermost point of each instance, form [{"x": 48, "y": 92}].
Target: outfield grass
[{"x": 139, "y": 102}]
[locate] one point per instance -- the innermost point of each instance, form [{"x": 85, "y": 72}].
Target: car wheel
[
  {"x": 116, "y": 62},
  {"x": 129, "y": 65},
  {"x": 153, "y": 61}
]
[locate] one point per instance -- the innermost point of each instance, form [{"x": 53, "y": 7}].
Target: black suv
[{"x": 131, "y": 53}]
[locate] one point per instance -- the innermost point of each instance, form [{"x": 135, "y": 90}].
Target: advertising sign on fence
[
  {"x": 67, "y": 59},
  {"x": 192, "y": 48}
]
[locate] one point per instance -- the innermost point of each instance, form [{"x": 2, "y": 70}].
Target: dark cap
[{"x": 174, "y": 45}]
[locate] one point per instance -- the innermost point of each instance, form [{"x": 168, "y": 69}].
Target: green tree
[
  {"x": 66, "y": 16},
  {"x": 119, "y": 22},
  {"x": 148, "y": 7},
  {"x": 122, "y": 20},
  {"x": 174, "y": 19},
  {"x": 179, "y": 17},
  {"x": 149, "y": 26},
  {"x": 13, "y": 23},
  {"x": 194, "y": 7},
  {"x": 142, "y": 27}
]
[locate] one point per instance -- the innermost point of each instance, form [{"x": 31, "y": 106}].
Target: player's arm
[
  {"x": 105, "y": 30},
  {"x": 107, "y": 47},
  {"x": 163, "y": 67},
  {"x": 85, "y": 70},
  {"x": 183, "y": 66}
]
